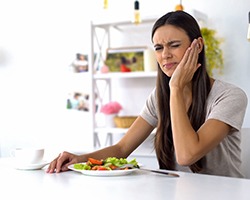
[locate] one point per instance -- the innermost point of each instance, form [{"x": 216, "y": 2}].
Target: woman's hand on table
[{"x": 61, "y": 163}]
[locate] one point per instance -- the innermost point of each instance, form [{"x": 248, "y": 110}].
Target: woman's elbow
[{"x": 185, "y": 159}]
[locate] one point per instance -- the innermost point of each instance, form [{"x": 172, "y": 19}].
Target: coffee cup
[{"x": 27, "y": 156}]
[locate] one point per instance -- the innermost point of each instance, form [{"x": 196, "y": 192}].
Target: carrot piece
[
  {"x": 113, "y": 167},
  {"x": 95, "y": 161},
  {"x": 101, "y": 168},
  {"x": 94, "y": 168}
]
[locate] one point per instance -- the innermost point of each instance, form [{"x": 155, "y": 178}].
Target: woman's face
[{"x": 170, "y": 44}]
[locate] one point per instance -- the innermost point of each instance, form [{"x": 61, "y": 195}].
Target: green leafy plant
[{"x": 214, "y": 54}]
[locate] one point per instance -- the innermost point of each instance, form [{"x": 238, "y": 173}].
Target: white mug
[{"x": 28, "y": 155}]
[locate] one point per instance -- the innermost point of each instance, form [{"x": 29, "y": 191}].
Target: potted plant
[
  {"x": 214, "y": 54},
  {"x": 110, "y": 110}
]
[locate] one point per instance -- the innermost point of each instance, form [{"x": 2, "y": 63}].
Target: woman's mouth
[{"x": 169, "y": 65}]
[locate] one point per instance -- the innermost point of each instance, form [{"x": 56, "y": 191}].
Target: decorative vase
[{"x": 109, "y": 120}]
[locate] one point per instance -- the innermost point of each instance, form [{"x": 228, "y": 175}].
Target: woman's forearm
[
  {"x": 111, "y": 151},
  {"x": 184, "y": 137}
]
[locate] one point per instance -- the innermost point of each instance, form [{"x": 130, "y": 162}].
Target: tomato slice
[{"x": 95, "y": 161}]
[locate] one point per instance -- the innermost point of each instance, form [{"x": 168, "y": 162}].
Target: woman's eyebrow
[
  {"x": 173, "y": 41},
  {"x": 168, "y": 43},
  {"x": 156, "y": 45}
]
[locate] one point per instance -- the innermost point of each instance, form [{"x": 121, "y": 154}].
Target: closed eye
[
  {"x": 171, "y": 44},
  {"x": 158, "y": 48},
  {"x": 174, "y": 45}
]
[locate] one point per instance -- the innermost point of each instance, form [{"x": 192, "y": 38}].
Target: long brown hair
[{"x": 200, "y": 89}]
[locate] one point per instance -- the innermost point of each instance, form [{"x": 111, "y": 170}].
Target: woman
[{"x": 198, "y": 119}]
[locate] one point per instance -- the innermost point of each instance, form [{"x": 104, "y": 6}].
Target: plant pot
[{"x": 109, "y": 120}]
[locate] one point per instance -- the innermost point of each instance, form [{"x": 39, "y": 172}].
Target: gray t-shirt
[{"x": 226, "y": 103}]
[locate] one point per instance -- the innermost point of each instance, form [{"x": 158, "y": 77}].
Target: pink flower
[{"x": 111, "y": 108}]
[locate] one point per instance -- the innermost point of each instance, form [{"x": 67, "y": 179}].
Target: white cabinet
[{"x": 116, "y": 35}]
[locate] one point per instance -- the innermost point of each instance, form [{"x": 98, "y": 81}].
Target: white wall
[{"x": 39, "y": 39}]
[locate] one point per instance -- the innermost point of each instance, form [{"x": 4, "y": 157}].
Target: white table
[{"x": 37, "y": 184}]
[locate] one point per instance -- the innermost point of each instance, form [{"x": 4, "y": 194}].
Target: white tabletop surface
[{"x": 37, "y": 184}]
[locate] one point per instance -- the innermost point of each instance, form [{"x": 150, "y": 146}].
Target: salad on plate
[{"x": 108, "y": 164}]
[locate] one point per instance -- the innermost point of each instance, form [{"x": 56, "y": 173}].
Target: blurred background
[{"x": 39, "y": 40}]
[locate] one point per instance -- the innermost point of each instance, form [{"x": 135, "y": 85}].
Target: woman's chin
[{"x": 168, "y": 73}]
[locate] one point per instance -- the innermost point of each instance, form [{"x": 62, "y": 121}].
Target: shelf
[
  {"x": 111, "y": 130},
  {"x": 113, "y": 75},
  {"x": 101, "y": 83},
  {"x": 117, "y": 23},
  {"x": 115, "y": 130},
  {"x": 82, "y": 75}
]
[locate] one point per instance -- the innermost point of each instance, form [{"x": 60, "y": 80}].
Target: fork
[{"x": 148, "y": 170}]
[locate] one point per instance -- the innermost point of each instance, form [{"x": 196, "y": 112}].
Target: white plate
[
  {"x": 31, "y": 166},
  {"x": 103, "y": 172}
]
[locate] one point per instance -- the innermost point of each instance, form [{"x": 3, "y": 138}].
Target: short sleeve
[{"x": 229, "y": 106}]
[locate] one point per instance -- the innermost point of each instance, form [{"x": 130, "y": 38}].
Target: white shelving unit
[
  {"x": 100, "y": 42},
  {"x": 117, "y": 75}
]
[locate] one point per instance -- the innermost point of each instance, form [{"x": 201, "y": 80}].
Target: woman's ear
[{"x": 200, "y": 44}]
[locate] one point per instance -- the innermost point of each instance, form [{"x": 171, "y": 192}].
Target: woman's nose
[{"x": 166, "y": 53}]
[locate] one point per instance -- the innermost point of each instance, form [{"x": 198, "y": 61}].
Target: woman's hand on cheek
[{"x": 184, "y": 72}]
